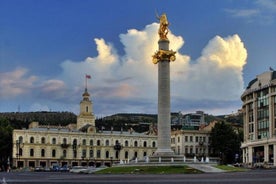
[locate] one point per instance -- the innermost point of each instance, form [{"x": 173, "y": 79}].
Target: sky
[{"x": 48, "y": 47}]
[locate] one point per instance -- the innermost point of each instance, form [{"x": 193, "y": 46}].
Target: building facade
[
  {"x": 79, "y": 144},
  {"x": 192, "y": 142},
  {"x": 190, "y": 120},
  {"x": 259, "y": 117}
]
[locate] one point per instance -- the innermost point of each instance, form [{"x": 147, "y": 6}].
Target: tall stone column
[{"x": 163, "y": 57}]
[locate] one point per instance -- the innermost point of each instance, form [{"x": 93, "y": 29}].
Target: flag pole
[{"x": 85, "y": 81}]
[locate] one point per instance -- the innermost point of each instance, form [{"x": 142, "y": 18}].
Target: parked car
[
  {"x": 64, "y": 168},
  {"x": 55, "y": 168},
  {"x": 78, "y": 169},
  {"x": 39, "y": 169}
]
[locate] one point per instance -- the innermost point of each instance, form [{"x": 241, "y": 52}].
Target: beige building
[
  {"x": 192, "y": 142},
  {"x": 79, "y": 144},
  {"x": 259, "y": 108}
]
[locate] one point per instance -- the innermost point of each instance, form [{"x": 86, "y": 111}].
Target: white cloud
[
  {"x": 216, "y": 75},
  {"x": 128, "y": 83},
  {"x": 267, "y": 4},
  {"x": 243, "y": 13},
  {"x": 16, "y": 83}
]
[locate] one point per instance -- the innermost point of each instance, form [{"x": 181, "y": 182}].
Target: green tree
[
  {"x": 5, "y": 142},
  {"x": 225, "y": 142}
]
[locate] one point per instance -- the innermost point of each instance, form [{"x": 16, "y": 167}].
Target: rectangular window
[
  {"x": 186, "y": 149},
  {"x": 191, "y": 138},
  {"x": 83, "y": 153},
  {"x": 98, "y": 153},
  {"x": 91, "y": 153}
]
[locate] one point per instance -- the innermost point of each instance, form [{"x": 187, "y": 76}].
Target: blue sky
[{"x": 47, "y": 47}]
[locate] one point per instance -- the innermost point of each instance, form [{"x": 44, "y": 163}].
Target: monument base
[{"x": 163, "y": 152}]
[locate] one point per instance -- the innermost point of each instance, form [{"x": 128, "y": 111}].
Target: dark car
[
  {"x": 39, "y": 169},
  {"x": 64, "y": 168}
]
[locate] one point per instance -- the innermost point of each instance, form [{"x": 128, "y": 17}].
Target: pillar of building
[
  {"x": 266, "y": 153},
  {"x": 274, "y": 154},
  {"x": 250, "y": 154},
  {"x": 244, "y": 159}
]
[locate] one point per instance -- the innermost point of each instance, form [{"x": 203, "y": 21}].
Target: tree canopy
[
  {"x": 5, "y": 142},
  {"x": 225, "y": 142}
]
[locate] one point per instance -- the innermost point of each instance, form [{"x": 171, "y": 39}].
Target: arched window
[
  {"x": 135, "y": 154},
  {"x": 107, "y": 154},
  {"x": 64, "y": 141},
  {"x": 42, "y": 152},
  {"x": 145, "y": 143},
  {"x": 135, "y": 144},
  {"x": 107, "y": 142},
  {"x": 84, "y": 142},
  {"x": 64, "y": 154},
  {"x": 42, "y": 140},
  {"x": 126, "y": 143},
  {"x": 75, "y": 142},
  {"x": 87, "y": 108},
  {"x": 20, "y": 139},
  {"x": 145, "y": 153},
  {"x": 126, "y": 155},
  {"x": 98, "y": 142},
  {"x": 91, "y": 142},
  {"x": 153, "y": 144},
  {"x": 53, "y": 153},
  {"x": 54, "y": 141},
  {"x": 31, "y": 152},
  {"x": 32, "y": 140},
  {"x": 117, "y": 154}
]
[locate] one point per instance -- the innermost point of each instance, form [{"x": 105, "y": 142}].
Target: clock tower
[{"x": 86, "y": 116}]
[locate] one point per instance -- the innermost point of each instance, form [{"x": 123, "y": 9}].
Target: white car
[{"x": 78, "y": 169}]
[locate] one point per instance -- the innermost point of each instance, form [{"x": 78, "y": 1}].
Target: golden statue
[
  {"x": 163, "y": 28},
  {"x": 163, "y": 55}
]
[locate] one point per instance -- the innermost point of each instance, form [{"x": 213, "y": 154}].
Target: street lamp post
[
  {"x": 19, "y": 146},
  {"x": 118, "y": 148}
]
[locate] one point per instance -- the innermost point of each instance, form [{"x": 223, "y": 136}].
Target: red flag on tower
[{"x": 88, "y": 76}]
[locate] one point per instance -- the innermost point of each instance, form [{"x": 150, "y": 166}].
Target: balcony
[{"x": 65, "y": 145}]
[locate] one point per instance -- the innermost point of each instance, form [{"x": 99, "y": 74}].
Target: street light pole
[{"x": 19, "y": 146}]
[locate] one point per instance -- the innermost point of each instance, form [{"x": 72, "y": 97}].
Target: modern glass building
[{"x": 259, "y": 115}]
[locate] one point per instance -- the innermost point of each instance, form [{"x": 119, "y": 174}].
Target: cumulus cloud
[
  {"x": 53, "y": 89},
  {"x": 128, "y": 82},
  {"x": 131, "y": 79},
  {"x": 15, "y": 83}
]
